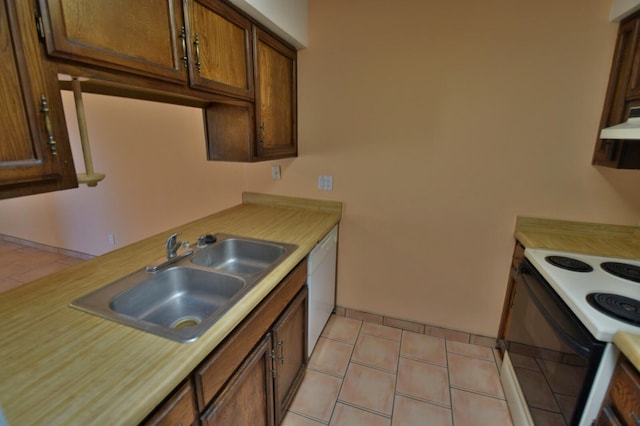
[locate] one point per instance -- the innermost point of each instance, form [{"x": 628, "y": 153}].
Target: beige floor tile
[
  {"x": 381, "y": 331},
  {"x": 342, "y": 329},
  {"x": 423, "y": 381},
  {"x": 474, "y": 351},
  {"x": 535, "y": 387},
  {"x": 345, "y": 415},
  {"x": 410, "y": 412},
  {"x": 39, "y": 272},
  {"x": 33, "y": 257},
  {"x": 331, "y": 357},
  {"x": 293, "y": 419},
  {"x": 471, "y": 409},
  {"x": 11, "y": 269},
  {"x": 316, "y": 396},
  {"x": 475, "y": 375},
  {"x": 7, "y": 284},
  {"x": 377, "y": 352},
  {"x": 423, "y": 348},
  {"x": 368, "y": 388}
]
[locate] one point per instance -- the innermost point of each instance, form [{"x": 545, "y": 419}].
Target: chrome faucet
[{"x": 173, "y": 245}]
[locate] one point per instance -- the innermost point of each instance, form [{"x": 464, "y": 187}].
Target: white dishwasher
[{"x": 321, "y": 280}]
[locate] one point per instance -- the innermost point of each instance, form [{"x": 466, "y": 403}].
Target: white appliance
[
  {"x": 321, "y": 280},
  {"x": 596, "y": 279}
]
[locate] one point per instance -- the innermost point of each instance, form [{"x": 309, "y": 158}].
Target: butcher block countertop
[
  {"x": 59, "y": 365},
  {"x": 587, "y": 238}
]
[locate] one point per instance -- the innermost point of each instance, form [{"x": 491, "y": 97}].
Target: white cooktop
[{"x": 573, "y": 288}]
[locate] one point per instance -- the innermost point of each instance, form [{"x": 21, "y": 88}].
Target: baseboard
[
  {"x": 44, "y": 247},
  {"x": 428, "y": 329}
]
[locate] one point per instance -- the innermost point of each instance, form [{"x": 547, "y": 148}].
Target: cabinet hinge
[{"x": 40, "y": 27}]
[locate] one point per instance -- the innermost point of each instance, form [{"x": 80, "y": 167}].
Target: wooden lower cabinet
[
  {"x": 179, "y": 409},
  {"x": 290, "y": 352},
  {"x": 248, "y": 397},
  {"x": 518, "y": 257},
  {"x": 253, "y": 374},
  {"x": 263, "y": 387},
  {"x": 621, "y": 405}
]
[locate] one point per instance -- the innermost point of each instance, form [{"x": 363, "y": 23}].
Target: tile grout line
[
  {"x": 446, "y": 352},
  {"x": 345, "y": 374}
]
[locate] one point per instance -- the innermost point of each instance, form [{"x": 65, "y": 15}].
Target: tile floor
[
  {"x": 362, "y": 373},
  {"x": 20, "y": 264}
]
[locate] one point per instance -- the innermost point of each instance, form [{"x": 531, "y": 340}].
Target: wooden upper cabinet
[
  {"x": 219, "y": 48},
  {"x": 143, "y": 37},
  {"x": 276, "y": 119},
  {"x": 623, "y": 93},
  {"x": 35, "y": 155}
]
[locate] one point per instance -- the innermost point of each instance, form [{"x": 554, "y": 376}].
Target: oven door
[{"x": 554, "y": 357}]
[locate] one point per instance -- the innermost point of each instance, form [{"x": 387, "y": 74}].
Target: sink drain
[{"x": 186, "y": 322}]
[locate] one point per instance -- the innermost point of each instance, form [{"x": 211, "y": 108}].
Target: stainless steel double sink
[{"x": 183, "y": 300}]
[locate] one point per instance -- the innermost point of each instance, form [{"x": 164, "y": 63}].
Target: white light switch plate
[
  {"x": 325, "y": 183},
  {"x": 275, "y": 172}
]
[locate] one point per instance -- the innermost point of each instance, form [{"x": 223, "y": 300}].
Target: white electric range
[
  {"x": 557, "y": 328},
  {"x": 573, "y": 287}
]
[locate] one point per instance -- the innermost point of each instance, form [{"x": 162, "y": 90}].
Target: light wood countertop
[
  {"x": 587, "y": 238},
  {"x": 629, "y": 344},
  {"x": 579, "y": 237},
  {"x": 59, "y": 365}
]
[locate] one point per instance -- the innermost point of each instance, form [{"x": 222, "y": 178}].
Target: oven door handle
[{"x": 552, "y": 308}]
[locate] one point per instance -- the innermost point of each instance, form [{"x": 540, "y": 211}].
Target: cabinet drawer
[
  {"x": 216, "y": 370},
  {"x": 179, "y": 409}
]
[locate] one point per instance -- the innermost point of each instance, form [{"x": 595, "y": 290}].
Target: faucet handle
[{"x": 172, "y": 245}]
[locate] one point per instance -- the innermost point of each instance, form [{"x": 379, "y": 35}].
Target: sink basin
[
  {"x": 179, "y": 303},
  {"x": 188, "y": 296},
  {"x": 241, "y": 256}
]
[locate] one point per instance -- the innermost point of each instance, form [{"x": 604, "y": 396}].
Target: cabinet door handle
[
  {"x": 281, "y": 356},
  {"x": 183, "y": 39},
  {"x": 47, "y": 124},
  {"x": 196, "y": 43},
  {"x": 262, "y": 133}
]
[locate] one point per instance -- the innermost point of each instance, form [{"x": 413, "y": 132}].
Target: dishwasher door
[{"x": 322, "y": 285}]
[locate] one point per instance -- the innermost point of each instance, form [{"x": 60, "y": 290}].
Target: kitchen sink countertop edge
[{"x": 64, "y": 366}]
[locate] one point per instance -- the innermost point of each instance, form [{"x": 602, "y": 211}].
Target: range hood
[{"x": 630, "y": 129}]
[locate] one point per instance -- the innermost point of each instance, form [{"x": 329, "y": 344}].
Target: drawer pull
[
  {"x": 196, "y": 43},
  {"x": 47, "y": 124}
]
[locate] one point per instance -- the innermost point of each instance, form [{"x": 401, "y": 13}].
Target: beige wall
[
  {"x": 157, "y": 178},
  {"x": 440, "y": 122}
]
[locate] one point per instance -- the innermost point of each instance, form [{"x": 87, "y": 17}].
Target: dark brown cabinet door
[
  {"x": 623, "y": 93},
  {"x": 219, "y": 48},
  {"x": 35, "y": 155},
  {"x": 179, "y": 409},
  {"x": 142, "y": 37},
  {"x": 289, "y": 343},
  {"x": 275, "y": 97},
  {"x": 247, "y": 399}
]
